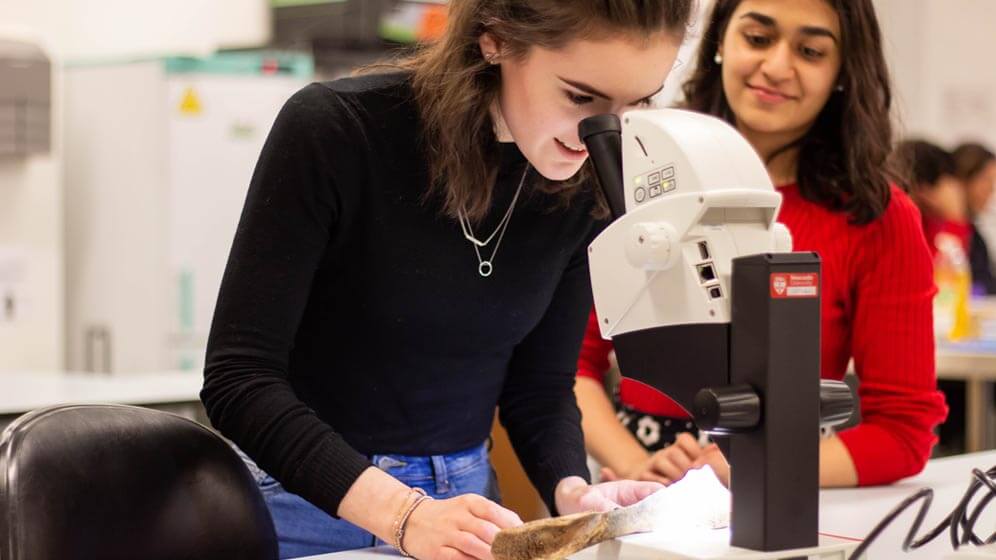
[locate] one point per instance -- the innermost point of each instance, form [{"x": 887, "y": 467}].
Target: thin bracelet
[
  {"x": 404, "y": 522},
  {"x": 405, "y": 504},
  {"x": 400, "y": 534}
]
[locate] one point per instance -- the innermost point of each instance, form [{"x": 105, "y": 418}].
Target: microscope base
[{"x": 708, "y": 545}]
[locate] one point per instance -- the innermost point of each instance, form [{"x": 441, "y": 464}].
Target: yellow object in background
[
  {"x": 962, "y": 327},
  {"x": 952, "y": 320}
]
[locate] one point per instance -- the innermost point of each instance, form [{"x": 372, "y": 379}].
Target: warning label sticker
[
  {"x": 795, "y": 285},
  {"x": 190, "y": 104}
]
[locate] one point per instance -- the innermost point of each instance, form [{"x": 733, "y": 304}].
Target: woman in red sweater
[{"x": 806, "y": 83}]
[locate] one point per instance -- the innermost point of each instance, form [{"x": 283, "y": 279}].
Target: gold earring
[{"x": 491, "y": 58}]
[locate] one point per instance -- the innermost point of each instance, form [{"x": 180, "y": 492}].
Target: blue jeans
[{"x": 304, "y": 530}]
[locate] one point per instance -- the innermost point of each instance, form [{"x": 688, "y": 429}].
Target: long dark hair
[
  {"x": 844, "y": 157},
  {"x": 455, "y": 87}
]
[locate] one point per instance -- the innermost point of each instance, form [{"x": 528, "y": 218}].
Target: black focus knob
[
  {"x": 727, "y": 410},
  {"x": 836, "y": 402}
]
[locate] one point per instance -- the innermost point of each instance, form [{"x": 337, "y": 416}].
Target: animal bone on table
[{"x": 699, "y": 496}]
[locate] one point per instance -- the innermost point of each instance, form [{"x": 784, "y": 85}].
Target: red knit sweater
[{"x": 876, "y": 308}]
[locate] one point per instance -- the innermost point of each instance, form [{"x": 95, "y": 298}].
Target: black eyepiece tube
[{"x": 602, "y": 137}]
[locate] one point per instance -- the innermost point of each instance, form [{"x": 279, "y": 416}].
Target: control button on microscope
[
  {"x": 640, "y": 194},
  {"x": 669, "y": 185},
  {"x": 655, "y": 191},
  {"x": 667, "y": 172},
  {"x": 654, "y": 178}
]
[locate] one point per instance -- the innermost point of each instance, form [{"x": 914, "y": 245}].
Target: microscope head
[
  {"x": 693, "y": 153},
  {"x": 696, "y": 196}
]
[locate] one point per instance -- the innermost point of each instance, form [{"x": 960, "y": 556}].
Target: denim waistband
[{"x": 437, "y": 468}]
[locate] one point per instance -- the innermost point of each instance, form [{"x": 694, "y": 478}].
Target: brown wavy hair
[
  {"x": 844, "y": 159},
  {"x": 455, "y": 87}
]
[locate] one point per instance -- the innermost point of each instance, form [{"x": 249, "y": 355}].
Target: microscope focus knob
[
  {"x": 653, "y": 246},
  {"x": 727, "y": 410},
  {"x": 836, "y": 403}
]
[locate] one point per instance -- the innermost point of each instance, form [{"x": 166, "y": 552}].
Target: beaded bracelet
[{"x": 402, "y": 521}]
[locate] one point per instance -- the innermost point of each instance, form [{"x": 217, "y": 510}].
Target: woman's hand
[
  {"x": 670, "y": 464},
  {"x": 460, "y": 528},
  {"x": 712, "y": 456},
  {"x": 574, "y": 495}
]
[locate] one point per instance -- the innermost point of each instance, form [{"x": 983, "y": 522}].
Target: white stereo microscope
[{"x": 696, "y": 285}]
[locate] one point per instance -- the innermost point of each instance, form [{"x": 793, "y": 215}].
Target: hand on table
[
  {"x": 670, "y": 464},
  {"x": 574, "y": 495},
  {"x": 460, "y": 528}
]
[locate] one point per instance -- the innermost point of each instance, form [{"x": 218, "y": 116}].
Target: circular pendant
[{"x": 485, "y": 268}]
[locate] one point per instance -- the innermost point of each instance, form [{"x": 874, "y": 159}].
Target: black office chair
[{"x": 120, "y": 482}]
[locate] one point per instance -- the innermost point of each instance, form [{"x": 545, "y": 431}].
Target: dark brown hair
[
  {"x": 455, "y": 87},
  {"x": 925, "y": 163},
  {"x": 844, "y": 157},
  {"x": 970, "y": 159}
]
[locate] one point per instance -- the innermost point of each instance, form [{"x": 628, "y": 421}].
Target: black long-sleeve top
[{"x": 352, "y": 319}]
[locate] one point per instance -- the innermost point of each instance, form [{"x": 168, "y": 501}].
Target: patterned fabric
[{"x": 655, "y": 432}]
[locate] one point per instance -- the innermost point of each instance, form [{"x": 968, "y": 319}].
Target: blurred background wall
[
  {"x": 32, "y": 282},
  {"x": 938, "y": 52}
]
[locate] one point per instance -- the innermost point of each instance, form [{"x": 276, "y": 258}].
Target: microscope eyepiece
[{"x": 602, "y": 137}]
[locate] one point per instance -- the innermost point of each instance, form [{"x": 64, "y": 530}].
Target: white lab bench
[
  {"x": 847, "y": 513},
  {"x": 176, "y": 392}
]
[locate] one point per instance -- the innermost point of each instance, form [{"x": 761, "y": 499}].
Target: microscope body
[{"x": 696, "y": 285}]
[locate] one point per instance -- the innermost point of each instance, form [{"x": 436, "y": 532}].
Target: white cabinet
[{"x": 159, "y": 155}]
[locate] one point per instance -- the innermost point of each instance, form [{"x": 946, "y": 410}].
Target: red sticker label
[{"x": 795, "y": 285}]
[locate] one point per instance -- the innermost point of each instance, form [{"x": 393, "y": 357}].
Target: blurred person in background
[
  {"x": 975, "y": 166},
  {"x": 935, "y": 187}
]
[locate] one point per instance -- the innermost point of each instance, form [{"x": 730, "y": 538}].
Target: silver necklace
[{"x": 485, "y": 267}]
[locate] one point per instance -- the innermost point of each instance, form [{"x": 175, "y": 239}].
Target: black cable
[
  {"x": 958, "y": 515},
  {"x": 926, "y": 494},
  {"x": 969, "y": 526},
  {"x": 977, "y": 512},
  {"x": 959, "y": 518},
  {"x": 969, "y": 537}
]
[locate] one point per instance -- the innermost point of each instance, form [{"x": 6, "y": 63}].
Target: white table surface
[
  {"x": 21, "y": 391},
  {"x": 847, "y": 513},
  {"x": 853, "y": 512}
]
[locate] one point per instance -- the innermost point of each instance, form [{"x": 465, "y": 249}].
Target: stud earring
[
  {"x": 718, "y": 59},
  {"x": 839, "y": 88},
  {"x": 491, "y": 58}
]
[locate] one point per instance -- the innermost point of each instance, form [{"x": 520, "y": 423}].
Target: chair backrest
[{"x": 120, "y": 482}]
